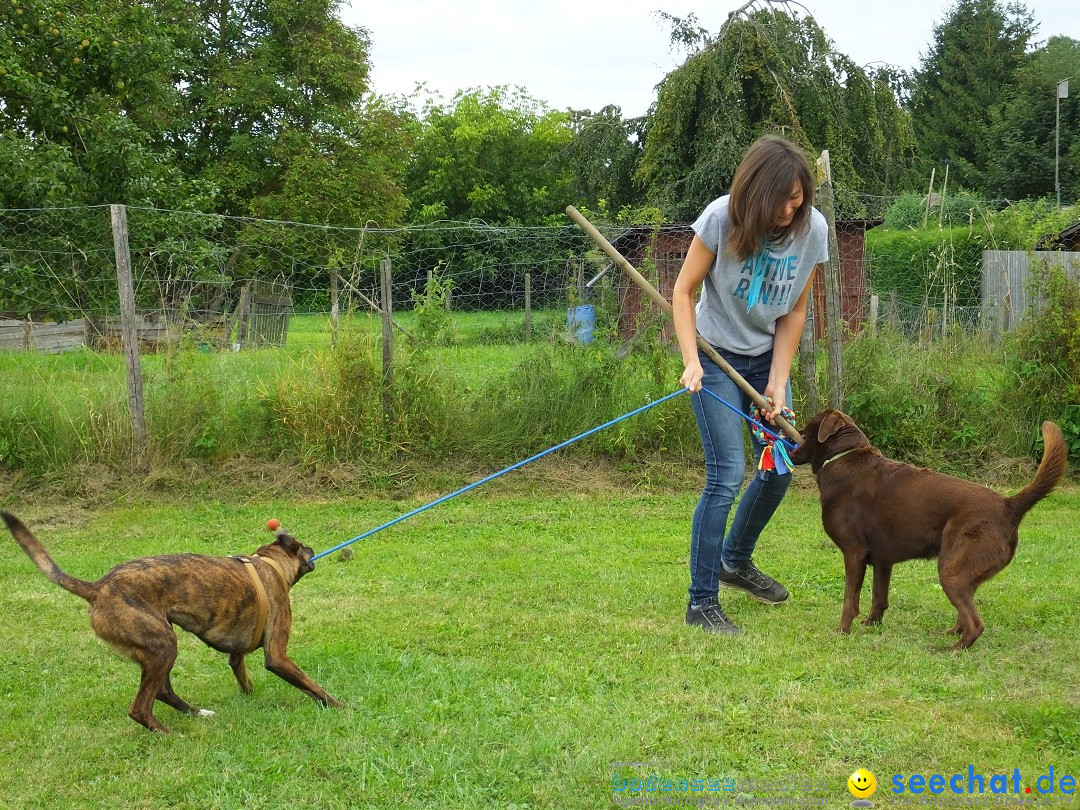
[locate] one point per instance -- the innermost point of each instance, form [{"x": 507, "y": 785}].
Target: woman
[{"x": 753, "y": 257}]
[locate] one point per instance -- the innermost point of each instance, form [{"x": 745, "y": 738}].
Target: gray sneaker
[
  {"x": 750, "y": 580},
  {"x": 710, "y": 617}
]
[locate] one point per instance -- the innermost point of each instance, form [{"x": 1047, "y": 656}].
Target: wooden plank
[
  {"x": 47, "y": 338},
  {"x": 1005, "y": 279},
  {"x": 68, "y": 328}
]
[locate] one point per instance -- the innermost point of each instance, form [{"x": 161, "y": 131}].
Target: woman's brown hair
[{"x": 762, "y": 185}]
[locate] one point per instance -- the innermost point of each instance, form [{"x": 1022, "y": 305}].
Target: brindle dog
[
  {"x": 133, "y": 608},
  {"x": 881, "y": 512}
]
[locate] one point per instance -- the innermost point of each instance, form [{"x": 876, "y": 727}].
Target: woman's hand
[
  {"x": 691, "y": 377},
  {"x": 777, "y": 395}
]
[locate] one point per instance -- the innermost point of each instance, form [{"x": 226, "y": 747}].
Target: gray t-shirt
[{"x": 783, "y": 271}]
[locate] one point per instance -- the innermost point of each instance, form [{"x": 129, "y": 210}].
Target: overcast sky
[{"x": 591, "y": 53}]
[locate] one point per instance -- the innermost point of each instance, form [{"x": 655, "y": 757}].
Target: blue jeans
[{"x": 725, "y": 463}]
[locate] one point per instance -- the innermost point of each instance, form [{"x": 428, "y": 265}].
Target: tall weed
[{"x": 928, "y": 401}]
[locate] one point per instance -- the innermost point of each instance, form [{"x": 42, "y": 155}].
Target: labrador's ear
[{"x": 833, "y": 421}]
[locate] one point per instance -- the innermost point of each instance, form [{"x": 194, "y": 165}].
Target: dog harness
[{"x": 261, "y": 602}]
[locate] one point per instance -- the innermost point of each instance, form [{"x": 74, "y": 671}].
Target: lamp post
[{"x": 1062, "y": 92}]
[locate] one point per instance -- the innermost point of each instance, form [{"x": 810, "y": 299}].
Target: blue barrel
[{"x": 582, "y": 322}]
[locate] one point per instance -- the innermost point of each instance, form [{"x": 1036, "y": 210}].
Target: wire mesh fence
[
  {"x": 192, "y": 269},
  {"x": 219, "y": 285},
  {"x": 193, "y": 272}
]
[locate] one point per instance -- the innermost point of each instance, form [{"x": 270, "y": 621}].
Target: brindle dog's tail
[
  {"x": 1051, "y": 469},
  {"x": 40, "y": 557}
]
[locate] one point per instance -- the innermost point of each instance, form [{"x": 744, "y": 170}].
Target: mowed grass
[{"x": 507, "y": 647}]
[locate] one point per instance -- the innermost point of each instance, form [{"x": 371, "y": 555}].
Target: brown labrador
[{"x": 880, "y": 512}]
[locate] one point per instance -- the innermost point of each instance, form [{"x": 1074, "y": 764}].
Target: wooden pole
[
  {"x": 944, "y": 188},
  {"x": 334, "y": 306},
  {"x": 374, "y": 306},
  {"x": 243, "y": 317},
  {"x": 665, "y": 305},
  {"x": 528, "y": 306},
  {"x": 129, "y": 332},
  {"x": 929, "y": 196},
  {"x": 834, "y": 319},
  {"x": 387, "y": 344},
  {"x": 808, "y": 360}
]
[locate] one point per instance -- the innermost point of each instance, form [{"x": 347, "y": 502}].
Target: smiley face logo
[{"x": 862, "y": 784}]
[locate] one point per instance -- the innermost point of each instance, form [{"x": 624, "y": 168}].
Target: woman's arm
[{"x": 697, "y": 264}]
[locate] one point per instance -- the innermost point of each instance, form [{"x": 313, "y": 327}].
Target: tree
[
  {"x": 86, "y": 98},
  {"x": 1022, "y": 142},
  {"x": 278, "y": 115},
  {"x": 603, "y": 158},
  {"x": 769, "y": 71},
  {"x": 492, "y": 155},
  {"x": 961, "y": 89}
]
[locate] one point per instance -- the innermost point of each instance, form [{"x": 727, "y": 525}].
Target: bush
[
  {"x": 909, "y": 211},
  {"x": 927, "y": 402},
  {"x": 921, "y": 266},
  {"x": 1044, "y": 355},
  {"x": 1030, "y": 225}
]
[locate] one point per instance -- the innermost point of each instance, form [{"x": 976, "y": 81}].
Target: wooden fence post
[
  {"x": 808, "y": 364},
  {"x": 528, "y": 306},
  {"x": 834, "y": 319},
  {"x": 387, "y": 313},
  {"x": 129, "y": 332},
  {"x": 334, "y": 310},
  {"x": 243, "y": 310}
]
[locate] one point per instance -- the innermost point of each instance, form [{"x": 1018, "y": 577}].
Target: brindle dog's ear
[
  {"x": 833, "y": 421},
  {"x": 287, "y": 541}
]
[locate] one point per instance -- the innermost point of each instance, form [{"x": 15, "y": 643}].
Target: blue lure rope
[
  {"x": 493, "y": 476},
  {"x": 776, "y": 436}
]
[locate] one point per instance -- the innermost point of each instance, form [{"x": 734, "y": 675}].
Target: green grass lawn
[{"x": 506, "y": 648}]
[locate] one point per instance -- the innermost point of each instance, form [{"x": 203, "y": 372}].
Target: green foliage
[
  {"x": 489, "y": 155},
  {"x": 769, "y": 72},
  {"x": 1045, "y": 354},
  {"x": 924, "y": 267},
  {"x": 910, "y": 211},
  {"x": 87, "y": 102},
  {"x": 602, "y": 158},
  {"x": 962, "y": 86},
  {"x": 1023, "y": 140},
  {"x": 184, "y": 104},
  {"x": 932, "y": 402},
  {"x": 435, "y": 325},
  {"x": 944, "y": 403},
  {"x": 1029, "y": 225}
]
